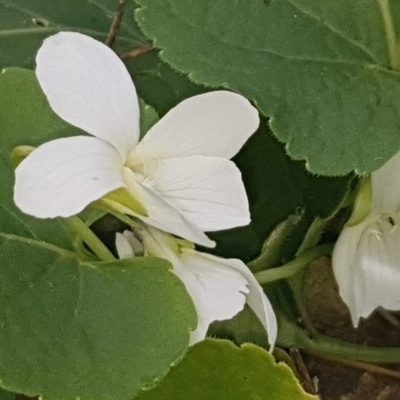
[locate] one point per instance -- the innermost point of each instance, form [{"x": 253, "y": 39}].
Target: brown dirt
[{"x": 329, "y": 315}]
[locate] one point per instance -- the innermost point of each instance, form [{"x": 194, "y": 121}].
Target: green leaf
[
  {"x": 72, "y": 328},
  {"x": 25, "y": 119},
  {"x": 277, "y": 187},
  {"x": 4, "y": 395},
  {"x": 91, "y": 330},
  {"x": 25, "y": 24},
  {"x": 148, "y": 117},
  {"x": 244, "y": 327},
  {"x": 158, "y": 84},
  {"x": 217, "y": 369},
  {"x": 271, "y": 251},
  {"x": 321, "y": 72}
]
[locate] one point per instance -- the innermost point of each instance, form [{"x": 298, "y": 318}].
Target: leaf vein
[
  {"x": 39, "y": 243},
  {"x": 333, "y": 30}
]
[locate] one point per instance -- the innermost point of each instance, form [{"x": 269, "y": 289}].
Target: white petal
[
  {"x": 218, "y": 291},
  {"x": 128, "y": 245},
  {"x": 61, "y": 177},
  {"x": 161, "y": 214},
  {"x": 386, "y": 187},
  {"x": 343, "y": 265},
  {"x": 88, "y": 86},
  {"x": 258, "y": 301},
  {"x": 207, "y": 191},
  {"x": 366, "y": 264},
  {"x": 124, "y": 248},
  {"x": 212, "y": 124}
]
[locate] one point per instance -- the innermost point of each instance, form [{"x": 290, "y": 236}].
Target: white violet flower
[
  {"x": 218, "y": 287},
  {"x": 366, "y": 258},
  {"x": 178, "y": 178}
]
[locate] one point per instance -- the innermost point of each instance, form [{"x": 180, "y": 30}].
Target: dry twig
[
  {"x": 112, "y": 34},
  {"x": 136, "y": 52}
]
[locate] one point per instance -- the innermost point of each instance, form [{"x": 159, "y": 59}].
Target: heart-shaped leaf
[
  {"x": 71, "y": 328},
  {"x": 91, "y": 330},
  {"x": 325, "y": 73},
  {"x": 25, "y": 119},
  {"x": 217, "y": 369},
  {"x": 4, "y": 395}
]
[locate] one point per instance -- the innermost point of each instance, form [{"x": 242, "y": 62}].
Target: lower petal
[
  {"x": 61, "y": 177},
  {"x": 258, "y": 301},
  {"x": 161, "y": 214},
  {"x": 366, "y": 266},
  {"x": 218, "y": 291},
  {"x": 208, "y": 191}
]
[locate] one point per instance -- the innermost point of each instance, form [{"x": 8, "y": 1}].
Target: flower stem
[
  {"x": 290, "y": 334},
  {"x": 272, "y": 248},
  {"x": 391, "y": 39},
  {"x": 294, "y": 266},
  {"x": 362, "y": 202},
  {"x": 372, "y": 368},
  {"x": 77, "y": 226}
]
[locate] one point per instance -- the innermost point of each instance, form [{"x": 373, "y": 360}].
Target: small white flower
[
  {"x": 219, "y": 287},
  {"x": 179, "y": 175},
  {"x": 366, "y": 258}
]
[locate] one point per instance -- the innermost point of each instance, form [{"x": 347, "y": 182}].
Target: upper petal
[
  {"x": 258, "y": 301},
  {"x": 207, "y": 191},
  {"x": 218, "y": 291},
  {"x": 212, "y": 124},
  {"x": 60, "y": 178},
  {"x": 386, "y": 186},
  {"x": 161, "y": 214},
  {"x": 366, "y": 264},
  {"x": 88, "y": 86}
]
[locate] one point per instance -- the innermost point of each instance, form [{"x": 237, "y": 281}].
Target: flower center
[
  {"x": 141, "y": 161},
  {"x": 136, "y": 242}
]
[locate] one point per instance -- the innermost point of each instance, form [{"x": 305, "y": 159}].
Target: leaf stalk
[
  {"x": 391, "y": 38},
  {"x": 294, "y": 266},
  {"x": 77, "y": 226}
]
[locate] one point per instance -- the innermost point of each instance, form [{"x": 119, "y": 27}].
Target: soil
[{"x": 329, "y": 315}]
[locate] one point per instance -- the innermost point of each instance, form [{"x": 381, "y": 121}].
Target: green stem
[
  {"x": 291, "y": 334},
  {"x": 272, "y": 248},
  {"x": 373, "y": 368},
  {"x": 313, "y": 235},
  {"x": 294, "y": 266},
  {"x": 391, "y": 39},
  {"x": 362, "y": 202},
  {"x": 297, "y": 282},
  {"x": 122, "y": 217},
  {"x": 76, "y": 225}
]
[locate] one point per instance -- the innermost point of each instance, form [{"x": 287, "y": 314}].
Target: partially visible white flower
[
  {"x": 219, "y": 287},
  {"x": 366, "y": 258},
  {"x": 178, "y": 178}
]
